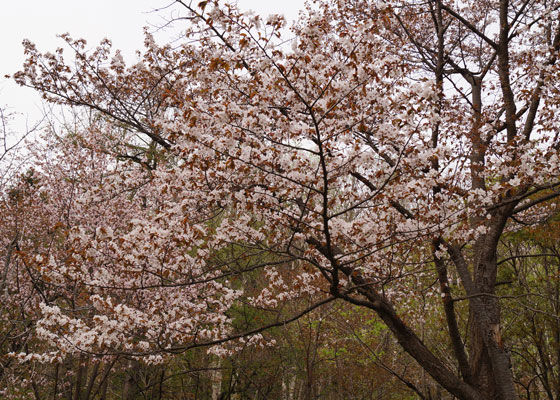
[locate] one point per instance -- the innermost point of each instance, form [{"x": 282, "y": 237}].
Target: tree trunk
[
  {"x": 215, "y": 378},
  {"x": 490, "y": 362}
]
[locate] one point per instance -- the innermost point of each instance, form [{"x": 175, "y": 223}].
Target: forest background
[{"x": 360, "y": 205}]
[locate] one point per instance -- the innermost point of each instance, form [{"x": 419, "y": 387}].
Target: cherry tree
[{"x": 377, "y": 147}]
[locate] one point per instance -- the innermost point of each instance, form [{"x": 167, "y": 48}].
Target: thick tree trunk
[
  {"x": 484, "y": 280},
  {"x": 412, "y": 344},
  {"x": 490, "y": 362},
  {"x": 406, "y": 337}
]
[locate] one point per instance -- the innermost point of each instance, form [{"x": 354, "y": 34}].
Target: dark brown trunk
[
  {"x": 490, "y": 361},
  {"x": 412, "y": 344}
]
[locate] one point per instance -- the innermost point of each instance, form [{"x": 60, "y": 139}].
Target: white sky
[{"x": 122, "y": 21}]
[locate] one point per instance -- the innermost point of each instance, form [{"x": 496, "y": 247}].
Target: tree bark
[{"x": 411, "y": 343}]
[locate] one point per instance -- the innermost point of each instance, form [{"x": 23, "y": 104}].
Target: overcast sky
[{"x": 121, "y": 21}]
